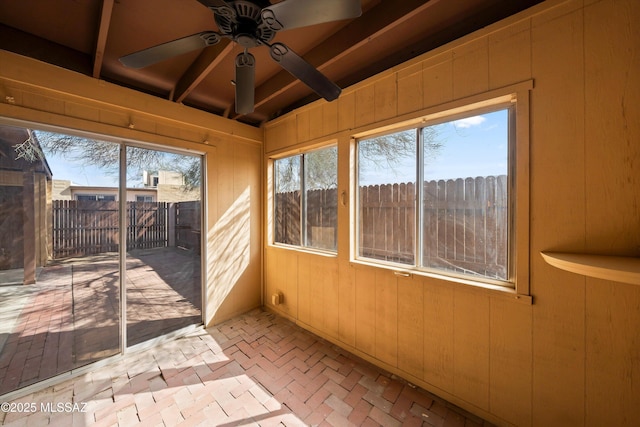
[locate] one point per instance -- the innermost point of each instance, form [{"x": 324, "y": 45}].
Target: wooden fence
[
  {"x": 82, "y": 228},
  {"x": 464, "y": 223},
  {"x": 286, "y": 218},
  {"x": 187, "y": 225},
  {"x": 321, "y": 218},
  {"x": 147, "y": 225}
]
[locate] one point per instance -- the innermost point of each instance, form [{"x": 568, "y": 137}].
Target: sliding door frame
[{"x": 123, "y": 143}]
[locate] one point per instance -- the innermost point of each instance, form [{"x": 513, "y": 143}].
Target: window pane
[
  {"x": 59, "y": 275},
  {"x": 465, "y": 195},
  {"x": 321, "y": 201},
  {"x": 164, "y": 286},
  {"x": 287, "y": 200},
  {"x": 386, "y": 210}
]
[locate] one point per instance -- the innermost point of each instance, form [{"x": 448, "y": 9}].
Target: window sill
[
  {"x": 498, "y": 290},
  {"x": 311, "y": 251}
]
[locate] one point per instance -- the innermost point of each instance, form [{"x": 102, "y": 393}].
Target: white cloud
[{"x": 469, "y": 121}]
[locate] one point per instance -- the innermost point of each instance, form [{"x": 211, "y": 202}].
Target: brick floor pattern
[
  {"x": 72, "y": 319},
  {"x": 257, "y": 369},
  {"x": 40, "y": 346}
]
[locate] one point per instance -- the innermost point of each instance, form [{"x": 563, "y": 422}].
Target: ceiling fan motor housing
[{"x": 242, "y": 21}]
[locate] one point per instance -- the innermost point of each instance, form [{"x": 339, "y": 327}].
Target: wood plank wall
[
  {"x": 35, "y": 92},
  {"x": 573, "y": 356}
]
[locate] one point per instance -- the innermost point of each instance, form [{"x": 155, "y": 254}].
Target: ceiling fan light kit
[{"x": 252, "y": 24}]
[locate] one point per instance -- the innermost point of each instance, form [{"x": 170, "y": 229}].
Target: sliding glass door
[
  {"x": 59, "y": 268},
  {"x": 99, "y": 249},
  {"x": 163, "y": 291}
]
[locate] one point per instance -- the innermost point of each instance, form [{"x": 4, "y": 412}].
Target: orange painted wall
[{"x": 572, "y": 357}]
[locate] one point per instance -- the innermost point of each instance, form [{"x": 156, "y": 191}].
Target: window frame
[
  {"x": 303, "y": 246},
  {"x": 96, "y": 197},
  {"x": 515, "y": 97}
]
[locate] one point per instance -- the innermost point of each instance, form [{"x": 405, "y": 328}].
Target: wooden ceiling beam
[
  {"x": 26, "y": 44},
  {"x": 208, "y": 59},
  {"x": 374, "y": 23},
  {"x": 101, "y": 38}
]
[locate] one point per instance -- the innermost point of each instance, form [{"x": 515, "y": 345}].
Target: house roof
[{"x": 11, "y": 140}]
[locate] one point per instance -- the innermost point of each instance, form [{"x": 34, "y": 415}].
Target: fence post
[{"x": 171, "y": 238}]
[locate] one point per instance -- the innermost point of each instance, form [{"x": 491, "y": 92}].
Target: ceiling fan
[{"x": 255, "y": 23}]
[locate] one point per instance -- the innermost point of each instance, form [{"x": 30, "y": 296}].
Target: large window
[
  {"x": 436, "y": 197},
  {"x": 306, "y": 200}
]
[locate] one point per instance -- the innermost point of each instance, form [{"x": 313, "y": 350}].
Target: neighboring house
[
  {"x": 66, "y": 190},
  {"x": 161, "y": 186},
  {"x": 162, "y": 177},
  {"x": 25, "y": 208}
]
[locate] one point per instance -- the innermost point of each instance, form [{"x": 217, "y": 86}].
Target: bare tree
[
  {"x": 321, "y": 169},
  {"x": 106, "y": 155},
  {"x": 384, "y": 153},
  {"x": 286, "y": 173}
]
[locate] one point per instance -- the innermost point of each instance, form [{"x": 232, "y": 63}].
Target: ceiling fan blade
[
  {"x": 152, "y": 55},
  {"x": 212, "y": 3},
  {"x": 305, "y": 72},
  {"x": 219, "y": 7},
  {"x": 245, "y": 81},
  {"x": 301, "y": 13}
]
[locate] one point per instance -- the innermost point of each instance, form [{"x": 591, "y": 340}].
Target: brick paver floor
[
  {"x": 71, "y": 318},
  {"x": 41, "y": 343},
  {"x": 257, "y": 369}
]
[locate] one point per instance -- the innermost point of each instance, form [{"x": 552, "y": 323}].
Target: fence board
[
  {"x": 386, "y": 205},
  {"x": 450, "y": 225},
  {"x": 408, "y": 199},
  {"x": 501, "y": 218},
  {"x": 491, "y": 222},
  {"x": 469, "y": 220},
  {"x": 369, "y": 204},
  {"x": 480, "y": 221},
  {"x": 459, "y": 220},
  {"x": 430, "y": 220}
]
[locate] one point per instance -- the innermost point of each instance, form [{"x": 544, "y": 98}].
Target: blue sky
[
  {"x": 475, "y": 146},
  {"x": 79, "y": 173},
  {"x": 471, "y": 147}
]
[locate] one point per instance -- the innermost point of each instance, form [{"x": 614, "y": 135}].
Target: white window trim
[
  {"x": 518, "y": 239},
  {"x": 271, "y": 205}
]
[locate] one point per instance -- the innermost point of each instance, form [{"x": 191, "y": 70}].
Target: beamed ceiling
[{"x": 89, "y": 37}]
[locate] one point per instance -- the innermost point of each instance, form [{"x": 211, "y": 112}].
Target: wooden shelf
[{"x": 616, "y": 268}]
